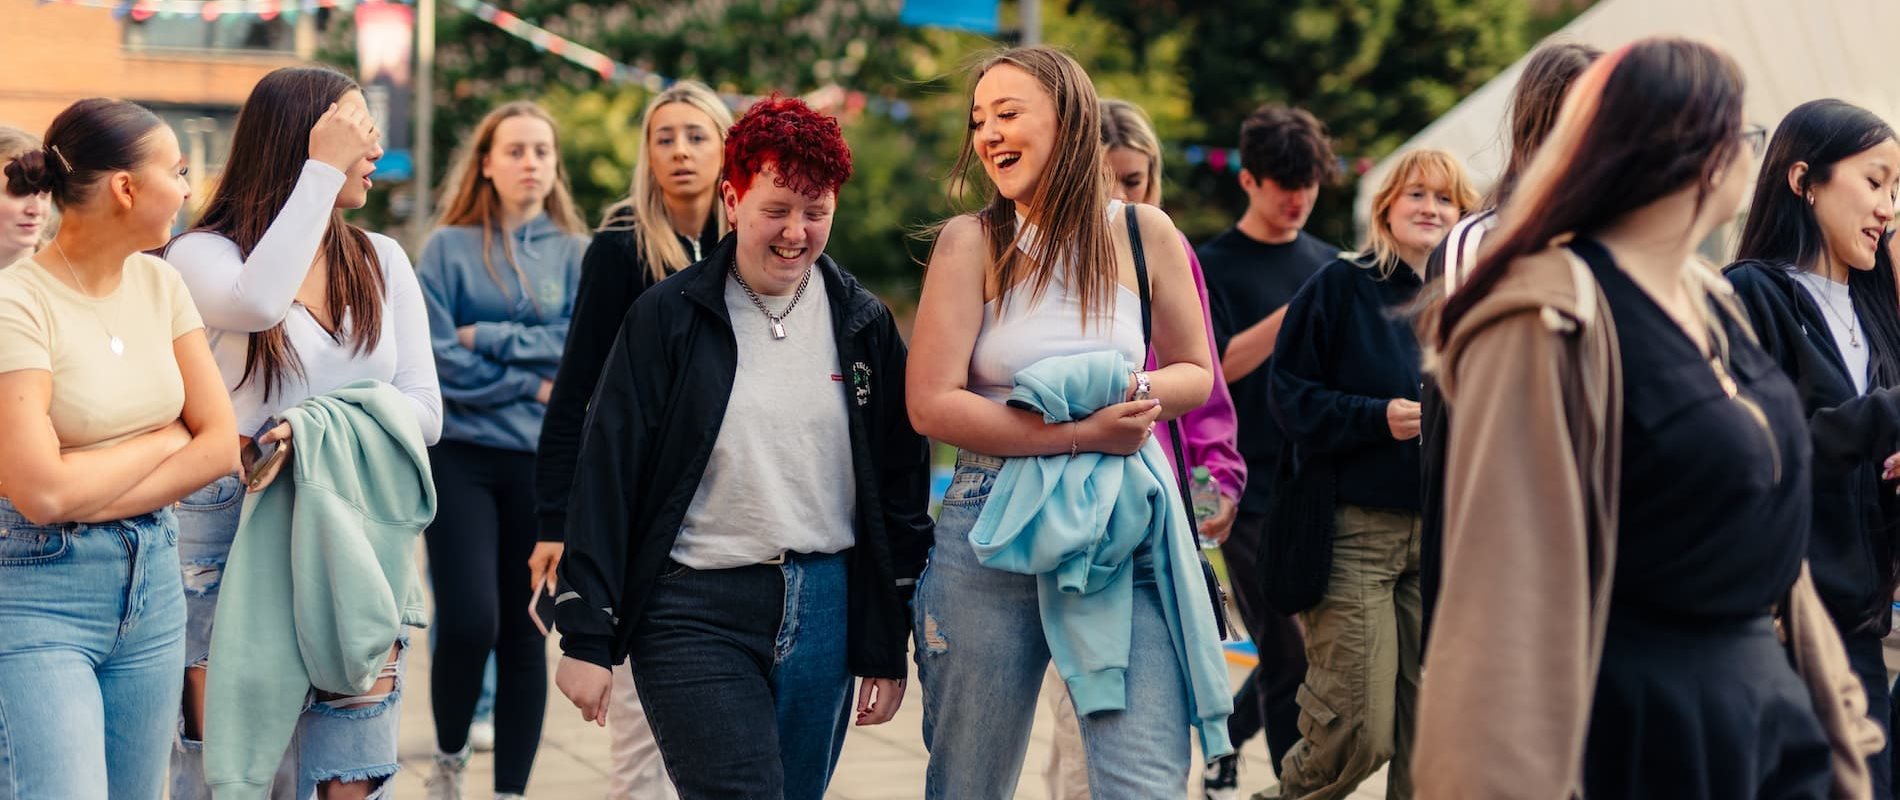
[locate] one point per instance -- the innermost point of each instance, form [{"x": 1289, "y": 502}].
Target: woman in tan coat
[{"x": 1627, "y": 485}]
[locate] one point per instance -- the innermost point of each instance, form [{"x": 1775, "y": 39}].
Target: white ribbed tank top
[{"x": 1025, "y": 329}]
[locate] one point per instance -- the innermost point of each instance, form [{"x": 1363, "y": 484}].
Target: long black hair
[
  {"x": 1782, "y": 231},
  {"x": 1875, "y": 297}
]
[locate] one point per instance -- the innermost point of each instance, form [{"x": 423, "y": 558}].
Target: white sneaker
[
  {"x": 446, "y": 782},
  {"x": 509, "y": 796},
  {"x": 481, "y": 736}
]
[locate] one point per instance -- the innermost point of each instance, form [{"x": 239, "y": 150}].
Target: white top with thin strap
[{"x": 1025, "y": 329}]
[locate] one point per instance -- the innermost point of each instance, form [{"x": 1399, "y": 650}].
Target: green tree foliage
[{"x": 1375, "y": 71}]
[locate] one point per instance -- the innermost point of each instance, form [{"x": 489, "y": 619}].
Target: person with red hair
[{"x": 748, "y": 517}]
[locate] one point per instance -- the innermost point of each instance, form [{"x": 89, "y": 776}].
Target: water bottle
[{"x": 1206, "y": 500}]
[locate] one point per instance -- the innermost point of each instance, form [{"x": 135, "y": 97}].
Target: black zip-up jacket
[
  {"x": 613, "y": 274},
  {"x": 651, "y": 428},
  {"x": 1851, "y": 542},
  {"x": 1345, "y": 350}
]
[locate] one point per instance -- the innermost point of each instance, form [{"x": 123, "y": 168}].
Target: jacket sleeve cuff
[
  {"x": 552, "y": 527},
  {"x": 591, "y": 648}
]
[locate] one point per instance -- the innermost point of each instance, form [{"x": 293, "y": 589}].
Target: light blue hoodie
[
  {"x": 488, "y": 391},
  {"x": 1077, "y": 522}
]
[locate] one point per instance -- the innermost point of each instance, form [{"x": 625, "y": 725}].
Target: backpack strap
[{"x": 1216, "y": 593}]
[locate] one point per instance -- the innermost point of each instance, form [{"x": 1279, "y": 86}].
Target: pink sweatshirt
[{"x": 1208, "y": 432}]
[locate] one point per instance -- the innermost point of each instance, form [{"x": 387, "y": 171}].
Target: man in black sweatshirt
[{"x": 1252, "y": 270}]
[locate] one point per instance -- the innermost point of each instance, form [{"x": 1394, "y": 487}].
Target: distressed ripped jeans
[
  {"x": 981, "y": 654},
  {"x": 349, "y": 739}
]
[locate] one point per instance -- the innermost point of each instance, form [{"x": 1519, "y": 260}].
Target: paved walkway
[{"x": 880, "y": 763}]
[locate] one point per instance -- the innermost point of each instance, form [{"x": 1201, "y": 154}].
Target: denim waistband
[
  {"x": 966, "y": 458},
  {"x": 10, "y": 517}
]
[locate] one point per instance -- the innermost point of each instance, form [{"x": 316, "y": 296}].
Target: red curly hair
[{"x": 806, "y": 147}]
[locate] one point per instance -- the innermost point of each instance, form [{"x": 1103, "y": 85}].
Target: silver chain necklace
[
  {"x": 778, "y": 320},
  {"x": 112, "y": 339}
]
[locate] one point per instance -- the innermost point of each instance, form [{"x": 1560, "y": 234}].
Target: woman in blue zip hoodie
[{"x": 499, "y": 276}]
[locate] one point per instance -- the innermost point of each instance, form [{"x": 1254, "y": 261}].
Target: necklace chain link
[
  {"x": 777, "y": 320},
  {"x": 113, "y": 342}
]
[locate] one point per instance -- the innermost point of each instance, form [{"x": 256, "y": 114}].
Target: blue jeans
[
  {"x": 981, "y": 656},
  {"x": 331, "y": 742},
  {"x": 91, "y": 656},
  {"x": 745, "y": 677}
]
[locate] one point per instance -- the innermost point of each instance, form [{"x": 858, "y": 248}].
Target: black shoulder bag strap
[{"x": 1214, "y": 590}]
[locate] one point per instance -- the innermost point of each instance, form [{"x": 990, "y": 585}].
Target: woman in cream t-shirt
[{"x": 113, "y": 410}]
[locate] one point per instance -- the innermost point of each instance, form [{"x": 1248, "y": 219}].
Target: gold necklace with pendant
[{"x": 113, "y": 342}]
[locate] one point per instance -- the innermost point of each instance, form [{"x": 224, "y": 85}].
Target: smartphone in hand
[
  {"x": 258, "y": 457},
  {"x": 541, "y": 605}
]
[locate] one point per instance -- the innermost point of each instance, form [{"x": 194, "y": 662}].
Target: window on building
[{"x": 230, "y": 33}]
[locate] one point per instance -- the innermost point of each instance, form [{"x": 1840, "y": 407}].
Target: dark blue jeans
[{"x": 745, "y": 679}]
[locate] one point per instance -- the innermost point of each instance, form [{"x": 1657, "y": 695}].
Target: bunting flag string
[
  {"x": 211, "y": 10},
  {"x": 831, "y": 98},
  {"x": 1227, "y": 159}
]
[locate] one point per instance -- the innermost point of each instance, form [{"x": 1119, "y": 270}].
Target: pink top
[{"x": 1208, "y": 432}]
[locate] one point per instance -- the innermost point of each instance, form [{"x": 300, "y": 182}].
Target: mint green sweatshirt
[{"x": 354, "y": 495}]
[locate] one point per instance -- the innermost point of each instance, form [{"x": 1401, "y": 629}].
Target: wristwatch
[{"x": 1143, "y": 388}]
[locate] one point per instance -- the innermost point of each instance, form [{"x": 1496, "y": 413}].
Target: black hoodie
[{"x": 1851, "y": 544}]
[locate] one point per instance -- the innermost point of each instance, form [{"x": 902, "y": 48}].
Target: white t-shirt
[
  {"x": 1837, "y": 306},
  {"x": 780, "y": 477}
]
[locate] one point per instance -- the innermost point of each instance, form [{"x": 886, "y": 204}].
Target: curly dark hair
[
  {"x": 1288, "y": 146},
  {"x": 807, "y": 147}
]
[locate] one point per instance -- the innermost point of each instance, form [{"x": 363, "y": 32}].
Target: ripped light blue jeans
[
  {"x": 91, "y": 633},
  {"x": 981, "y": 653},
  {"x": 332, "y": 741}
]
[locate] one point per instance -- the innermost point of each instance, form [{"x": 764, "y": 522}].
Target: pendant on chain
[
  {"x": 778, "y": 329},
  {"x": 117, "y": 345}
]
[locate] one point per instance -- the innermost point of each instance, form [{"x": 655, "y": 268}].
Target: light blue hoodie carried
[
  {"x": 488, "y": 391},
  {"x": 1077, "y": 522},
  {"x": 321, "y": 579}
]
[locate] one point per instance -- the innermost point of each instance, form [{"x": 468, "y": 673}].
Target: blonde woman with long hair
[
  {"x": 1345, "y": 382},
  {"x": 667, "y": 222},
  {"x": 1048, "y": 269},
  {"x": 24, "y": 219},
  {"x": 500, "y": 276}
]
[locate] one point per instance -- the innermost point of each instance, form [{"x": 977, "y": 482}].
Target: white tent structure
[{"x": 1790, "y": 51}]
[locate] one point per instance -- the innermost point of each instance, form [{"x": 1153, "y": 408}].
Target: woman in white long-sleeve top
[{"x": 298, "y": 303}]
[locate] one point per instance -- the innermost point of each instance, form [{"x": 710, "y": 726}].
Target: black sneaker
[{"x": 1221, "y": 780}]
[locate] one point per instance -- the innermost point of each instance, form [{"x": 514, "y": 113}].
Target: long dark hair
[
  {"x": 1875, "y": 295},
  {"x": 268, "y": 150},
  {"x": 1640, "y": 124},
  {"x": 1535, "y": 102},
  {"x": 1782, "y": 231}
]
